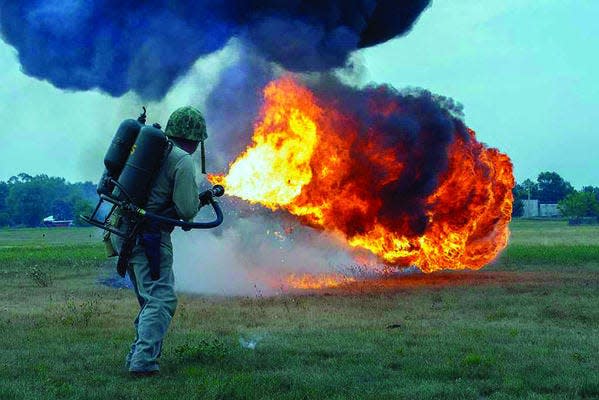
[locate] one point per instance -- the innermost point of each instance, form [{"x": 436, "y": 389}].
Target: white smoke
[
  {"x": 254, "y": 250},
  {"x": 251, "y": 256}
]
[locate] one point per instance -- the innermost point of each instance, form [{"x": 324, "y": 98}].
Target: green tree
[
  {"x": 5, "y": 219},
  {"x": 526, "y": 188},
  {"x": 4, "y": 188},
  {"x": 517, "y": 208},
  {"x": 23, "y": 177},
  {"x": 552, "y": 187},
  {"x": 26, "y": 204},
  {"x": 87, "y": 190},
  {"x": 30, "y": 198},
  {"x": 592, "y": 189},
  {"x": 62, "y": 209},
  {"x": 579, "y": 204},
  {"x": 81, "y": 207},
  {"x": 26, "y": 200},
  {"x": 519, "y": 192}
]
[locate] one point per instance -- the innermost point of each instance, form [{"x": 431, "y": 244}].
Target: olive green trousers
[{"x": 157, "y": 301}]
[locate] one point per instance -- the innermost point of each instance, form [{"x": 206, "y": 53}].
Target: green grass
[
  {"x": 549, "y": 233},
  {"x": 524, "y": 327}
]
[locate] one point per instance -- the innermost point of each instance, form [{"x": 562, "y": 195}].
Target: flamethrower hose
[
  {"x": 189, "y": 225},
  {"x": 206, "y": 197}
]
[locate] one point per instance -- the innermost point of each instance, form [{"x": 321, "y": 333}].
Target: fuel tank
[
  {"x": 144, "y": 160},
  {"x": 119, "y": 149},
  {"x": 117, "y": 153}
]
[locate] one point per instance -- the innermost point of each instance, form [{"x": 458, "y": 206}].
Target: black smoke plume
[
  {"x": 144, "y": 46},
  {"x": 232, "y": 106},
  {"x": 419, "y": 131}
]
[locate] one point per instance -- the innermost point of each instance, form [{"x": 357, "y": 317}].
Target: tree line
[
  {"x": 26, "y": 200},
  {"x": 551, "y": 188}
]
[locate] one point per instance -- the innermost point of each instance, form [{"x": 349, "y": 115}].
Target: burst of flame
[
  {"x": 301, "y": 160},
  {"x": 276, "y": 168},
  {"x": 318, "y": 281}
]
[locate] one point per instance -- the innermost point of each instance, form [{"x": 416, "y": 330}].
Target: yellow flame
[
  {"x": 273, "y": 170},
  {"x": 317, "y": 281},
  {"x": 300, "y": 160}
]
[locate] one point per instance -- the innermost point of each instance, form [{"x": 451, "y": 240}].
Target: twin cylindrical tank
[
  {"x": 142, "y": 165},
  {"x": 133, "y": 159},
  {"x": 121, "y": 145}
]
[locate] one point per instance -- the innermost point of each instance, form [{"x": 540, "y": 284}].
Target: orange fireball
[{"x": 394, "y": 174}]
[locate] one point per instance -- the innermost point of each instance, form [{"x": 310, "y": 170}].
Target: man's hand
[{"x": 206, "y": 196}]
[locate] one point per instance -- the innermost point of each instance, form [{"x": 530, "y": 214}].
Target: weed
[
  {"x": 40, "y": 277},
  {"x": 257, "y": 313},
  {"x": 259, "y": 293},
  {"x": 394, "y": 366},
  {"x": 437, "y": 302},
  {"x": 4, "y": 325},
  {"x": 497, "y": 315},
  {"x": 78, "y": 313},
  {"x": 182, "y": 312},
  {"x": 284, "y": 298},
  {"x": 299, "y": 302},
  {"x": 477, "y": 366},
  {"x": 576, "y": 356},
  {"x": 529, "y": 333},
  {"x": 205, "y": 350}
]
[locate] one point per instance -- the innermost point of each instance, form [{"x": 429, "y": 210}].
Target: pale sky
[{"x": 525, "y": 71}]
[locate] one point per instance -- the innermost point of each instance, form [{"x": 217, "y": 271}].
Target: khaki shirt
[{"x": 176, "y": 185}]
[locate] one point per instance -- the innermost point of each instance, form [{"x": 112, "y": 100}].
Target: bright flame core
[
  {"x": 303, "y": 160},
  {"x": 277, "y": 166}
]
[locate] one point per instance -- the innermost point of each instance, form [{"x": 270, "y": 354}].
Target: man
[{"x": 174, "y": 191}]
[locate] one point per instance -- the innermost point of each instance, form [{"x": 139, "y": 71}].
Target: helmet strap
[{"x": 203, "y": 156}]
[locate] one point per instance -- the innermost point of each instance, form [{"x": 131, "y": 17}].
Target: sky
[{"x": 525, "y": 71}]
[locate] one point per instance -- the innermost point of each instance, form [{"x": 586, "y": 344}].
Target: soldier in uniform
[{"x": 173, "y": 192}]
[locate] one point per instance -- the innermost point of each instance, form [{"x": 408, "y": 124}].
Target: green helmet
[{"x": 187, "y": 123}]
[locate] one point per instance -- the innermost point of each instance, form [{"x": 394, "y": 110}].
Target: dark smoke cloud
[
  {"x": 419, "y": 130},
  {"x": 144, "y": 46},
  {"x": 232, "y": 106}
]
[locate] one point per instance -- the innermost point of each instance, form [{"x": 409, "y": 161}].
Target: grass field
[{"x": 525, "y": 327}]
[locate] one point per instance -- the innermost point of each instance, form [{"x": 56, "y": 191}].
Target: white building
[
  {"x": 549, "y": 210},
  {"x": 532, "y": 208}
]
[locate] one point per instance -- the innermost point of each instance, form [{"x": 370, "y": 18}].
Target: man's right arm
[{"x": 185, "y": 191}]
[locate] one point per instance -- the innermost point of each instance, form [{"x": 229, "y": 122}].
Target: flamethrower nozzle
[
  {"x": 218, "y": 190},
  {"x": 206, "y": 196}
]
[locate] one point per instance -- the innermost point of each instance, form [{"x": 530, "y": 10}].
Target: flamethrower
[
  {"x": 127, "y": 207},
  {"x": 132, "y": 161}
]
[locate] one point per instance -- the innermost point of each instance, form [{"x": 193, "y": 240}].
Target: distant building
[
  {"x": 50, "y": 222},
  {"x": 549, "y": 210},
  {"x": 532, "y": 208}
]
